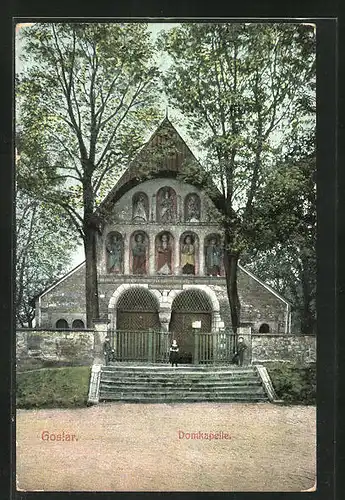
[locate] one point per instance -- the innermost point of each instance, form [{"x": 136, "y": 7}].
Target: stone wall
[
  {"x": 292, "y": 348},
  {"x": 54, "y": 347}
]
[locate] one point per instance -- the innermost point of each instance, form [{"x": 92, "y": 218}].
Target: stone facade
[{"x": 162, "y": 206}]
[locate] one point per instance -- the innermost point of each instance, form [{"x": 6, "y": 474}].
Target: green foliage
[
  {"x": 85, "y": 100},
  {"x": 53, "y": 388},
  {"x": 248, "y": 92},
  {"x": 290, "y": 267},
  {"x": 240, "y": 86},
  {"x": 294, "y": 384},
  {"x": 43, "y": 251}
]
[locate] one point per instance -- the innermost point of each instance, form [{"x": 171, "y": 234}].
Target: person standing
[
  {"x": 173, "y": 353},
  {"x": 107, "y": 350},
  {"x": 241, "y": 347}
]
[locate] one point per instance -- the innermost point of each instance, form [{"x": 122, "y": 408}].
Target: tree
[
  {"x": 243, "y": 89},
  {"x": 43, "y": 252},
  {"x": 85, "y": 101},
  {"x": 291, "y": 267}
]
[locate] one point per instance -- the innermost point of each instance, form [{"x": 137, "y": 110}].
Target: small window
[
  {"x": 264, "y": 328},
  {"x": 78, "y": 324},
  {"x": 61, "y": 323}
]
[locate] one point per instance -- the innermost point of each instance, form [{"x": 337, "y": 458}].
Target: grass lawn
[
  {"x": 65, "y": 387},
  {"x": 294, "y": 384}
]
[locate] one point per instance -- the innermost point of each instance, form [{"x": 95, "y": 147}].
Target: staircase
[{"x": 164, "y": 384}]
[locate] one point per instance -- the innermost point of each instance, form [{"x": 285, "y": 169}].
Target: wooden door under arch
[
  {"x": 137, "y": 311},
  {"x": 182, "y": 330}
]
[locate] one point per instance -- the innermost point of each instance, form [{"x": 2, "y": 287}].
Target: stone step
[
  {"x": 179, "y": 373},
  {"x": 184, "y": 399},
  {"x": 178, "y": 381},
  {"x": 204, "y": 384},
  {"x": 188, "y": 383},
  {"x": 184, "y": 368},
  {"x": 148, "y": 389}
]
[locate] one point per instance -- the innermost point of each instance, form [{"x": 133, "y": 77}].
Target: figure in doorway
[
  {"x": 188, "y": 256},
  {"x": 173, "y": 353},
  {"x": 164, "y": 255},
  {"x": 241, "y": 347},
  {"x": 114, "y": 250},
  {"x": 213, "y": 258},
  {"x": 108, "y": 351},
  {"x": 139, "y": 255}
]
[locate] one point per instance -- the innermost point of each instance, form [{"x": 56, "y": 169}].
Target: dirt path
[{"x": 136, "y": 447}]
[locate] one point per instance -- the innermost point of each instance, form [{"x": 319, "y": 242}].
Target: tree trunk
[
  {"x": 91, "y": 281},
  {"x": 231, "y": 267}
]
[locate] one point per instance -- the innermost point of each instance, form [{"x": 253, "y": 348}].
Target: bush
[
  {"x": 294, "y": 384},
  {"x": 53, "y": 387}
]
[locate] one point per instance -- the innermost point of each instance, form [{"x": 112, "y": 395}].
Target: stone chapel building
[{"x": 159, "y": 260}]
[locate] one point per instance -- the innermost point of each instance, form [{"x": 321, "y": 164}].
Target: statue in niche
[
  {"x": 114, "y": 253},
  {"x": 193, "y": 208},
  {"x": 166, "y": 207},
  {"x": 188, "y": 256},
  {"x": 164, "y": 253},
  {"x": 139, "y": 254},
  {"x": 213, "y": 257},
  {"x": 139, "y": 209}
]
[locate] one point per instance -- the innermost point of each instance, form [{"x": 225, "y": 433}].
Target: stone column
[
  {"x": 201, "y": 257},
  {"x": 100, "y": 332},
  {"x": 126, "y": 244},
  {"x": 153, "y": 208},
  {"x": 216, "y": 321},
  {"x": 176, "y": 251},
  {"x": 164, "y": 317},
  {"x": 179, "y": 209},
  {"x": 151, "y": 255}
]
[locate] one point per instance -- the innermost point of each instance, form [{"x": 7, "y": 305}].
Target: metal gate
[
  {"x": 188, "y": 307},
  {"x": 143, "y": 346}
]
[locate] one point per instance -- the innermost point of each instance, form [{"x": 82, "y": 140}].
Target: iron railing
[{"x": 153, "y": 346}]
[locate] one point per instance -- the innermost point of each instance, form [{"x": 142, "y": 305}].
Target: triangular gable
[
  {"x": 177, "y": 154},
  {"x": 60, "y": 280},
  {"x": 265, "y": 285}
]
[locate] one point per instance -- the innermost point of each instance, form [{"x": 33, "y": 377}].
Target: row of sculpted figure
[
  {"x": 166, "y": 207},
  {"x": 164, "y": 254}
]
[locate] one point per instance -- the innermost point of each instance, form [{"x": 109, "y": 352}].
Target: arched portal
[
  {"x": 137, "y": 309},
  {"x": 137, "y": 313},
  {"x": 187, "y": 307}
]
